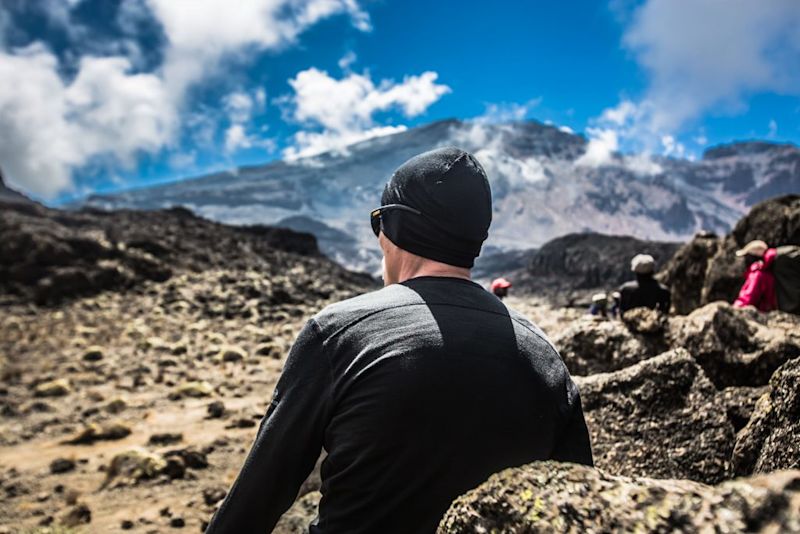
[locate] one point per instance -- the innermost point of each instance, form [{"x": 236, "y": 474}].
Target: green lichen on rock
[{"x": 555, "y": 497}]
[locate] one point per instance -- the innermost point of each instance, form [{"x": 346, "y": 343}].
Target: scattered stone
[
  {"x": 268, "y": 349},
  {"x": 193, "y": 458},
  {"x": 78, "y": 515},
  {"x": 132, "y": 466},
  {"x": 659, "y": 418},
  {"x": 62, "y": 465},
  {"x": 166, "y": 438},
  {"x": 97, "y": 432},
  {"x": 93, "y": 354},
  {"x": 192, "y": 389},
  {"x": 554, "y": 497},
  {"x": 126, "y": 524},
  {"x": 212, "y": 496},
  {"x": 177, "y": 522},
  {"x": 771, "y": 439},
  {"x": 301, "y": 514},
  {"x": 53, "y": 388},
  {"x": 116, "y": 405},
  {"x": 241, "y": 422},
  {"x": 175, "y": 468},
  {"x": 215, "y": 410},
  {"x": 231, "y": 354}
]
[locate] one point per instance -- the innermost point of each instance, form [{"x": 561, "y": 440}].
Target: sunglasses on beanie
[{"x": 375, "y": 215}]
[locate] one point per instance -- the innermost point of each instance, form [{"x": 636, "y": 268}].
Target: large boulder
[
  {"x": 553, "y": 497},
  {"x": 737, "y": 347},
  {"x": 771, "y": 439},
  {"x": 594, "y": 346},
  {"x": 712, "y": 265},
  {"x": 659, "y": 418},
  {"x": 686, "y": 272}
]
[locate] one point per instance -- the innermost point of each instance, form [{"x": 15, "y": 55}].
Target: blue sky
[{"x": 98, "y": 95}]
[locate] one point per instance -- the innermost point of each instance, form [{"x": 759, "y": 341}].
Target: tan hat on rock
[{"x": 753, "y": 248}]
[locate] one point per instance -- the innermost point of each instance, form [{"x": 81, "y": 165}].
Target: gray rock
[
  {"x": 554, "y": 498},
  {"x": 659, "y": 418},
  {"x": 771, "y": 439}
]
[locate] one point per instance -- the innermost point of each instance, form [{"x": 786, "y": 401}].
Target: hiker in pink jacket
[{"x": 759, "y": 284}]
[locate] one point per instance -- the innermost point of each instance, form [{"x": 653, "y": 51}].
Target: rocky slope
[
  {"x": 541, "y": 188},
  {"x": 138, "y": 352}
]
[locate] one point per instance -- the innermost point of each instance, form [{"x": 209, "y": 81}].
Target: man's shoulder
[
  {"x": 629, "y": 286},
  {"x": 342, "y": 313},
  {"x": 528, "y": 328}
]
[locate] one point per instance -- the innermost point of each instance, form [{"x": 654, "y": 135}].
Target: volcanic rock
[
  {"x": 78, "y": 515},
  {"x": 554, "y": 497},
  {"x": 740, "y": 403},
  {"x": 771, "y": 439},
  {"x": 659, "y": 418},
  {"x": 93, "y": 354},
  {"x": 192, "y": 389},
  {"x": 62, "y": 465},
  {"x": 131, "y": 467},
  {"x": 215, "y": 410},
  {"x": 99, "y": 432},
  {"x": 737, "y": 347},
  {"x": 54, "y": 388},
  {"x": 592, "y": 346}
]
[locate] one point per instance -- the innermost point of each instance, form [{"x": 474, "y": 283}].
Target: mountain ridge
[{"x": 541, "y": 187}]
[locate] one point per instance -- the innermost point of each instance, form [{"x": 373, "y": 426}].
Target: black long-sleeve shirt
[
  {"x": 644, "y": 292},
  {"x": 418, "y": 392}
]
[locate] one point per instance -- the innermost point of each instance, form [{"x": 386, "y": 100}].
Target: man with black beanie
[{"x": 418, "y": 392}]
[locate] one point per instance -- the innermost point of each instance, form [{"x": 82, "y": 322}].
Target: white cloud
[
  {"x": 506, "y": 112},
  {"x": 672, "y": 147},
  {"x": 603, "y": 143},
  {"x": 773, "y": 129},
  {"x": 236, "y": 138},
  {"x": 51, "y": 126},
  {"x": 201, "y": 34},
  {"x": 110, "y": 111},
  {"x": 344, "y": 108},
  {"x": 566, "y": 129},
  {"x": 347, "y": 60},
  {"x": 702, "y": 56}
]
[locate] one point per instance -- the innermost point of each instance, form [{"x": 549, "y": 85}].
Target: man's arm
[
  {"x": 288, "y": 443},
  {"x": 573, "y": 444}
]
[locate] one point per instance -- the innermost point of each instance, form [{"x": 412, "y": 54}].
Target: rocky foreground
[{"x": 128, "y": 401}]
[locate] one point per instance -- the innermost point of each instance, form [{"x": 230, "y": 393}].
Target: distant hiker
[
  {"x": 500, "y": 287},
  {"x": 616, "y": 296},
  {"x": 599, "y": 306},
  {"x": 418, "y": 392},
  {"x": 759, "y": 281},
  {"x": 645, "y": 291}
]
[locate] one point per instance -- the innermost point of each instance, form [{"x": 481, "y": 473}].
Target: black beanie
[{"x": 450, "y": 188}]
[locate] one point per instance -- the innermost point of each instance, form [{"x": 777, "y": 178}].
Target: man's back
[{"x": 428, "y": 387}]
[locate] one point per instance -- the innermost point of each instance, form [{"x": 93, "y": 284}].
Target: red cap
[{"x": 500, "y": 283}]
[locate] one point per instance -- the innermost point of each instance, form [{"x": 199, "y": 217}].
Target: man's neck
[{"x": 433, "y": 268}]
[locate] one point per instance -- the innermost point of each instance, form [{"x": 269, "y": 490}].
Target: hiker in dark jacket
[
  {"x": 418, "y": 392},
  {"x": 645, "y": 291}
]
